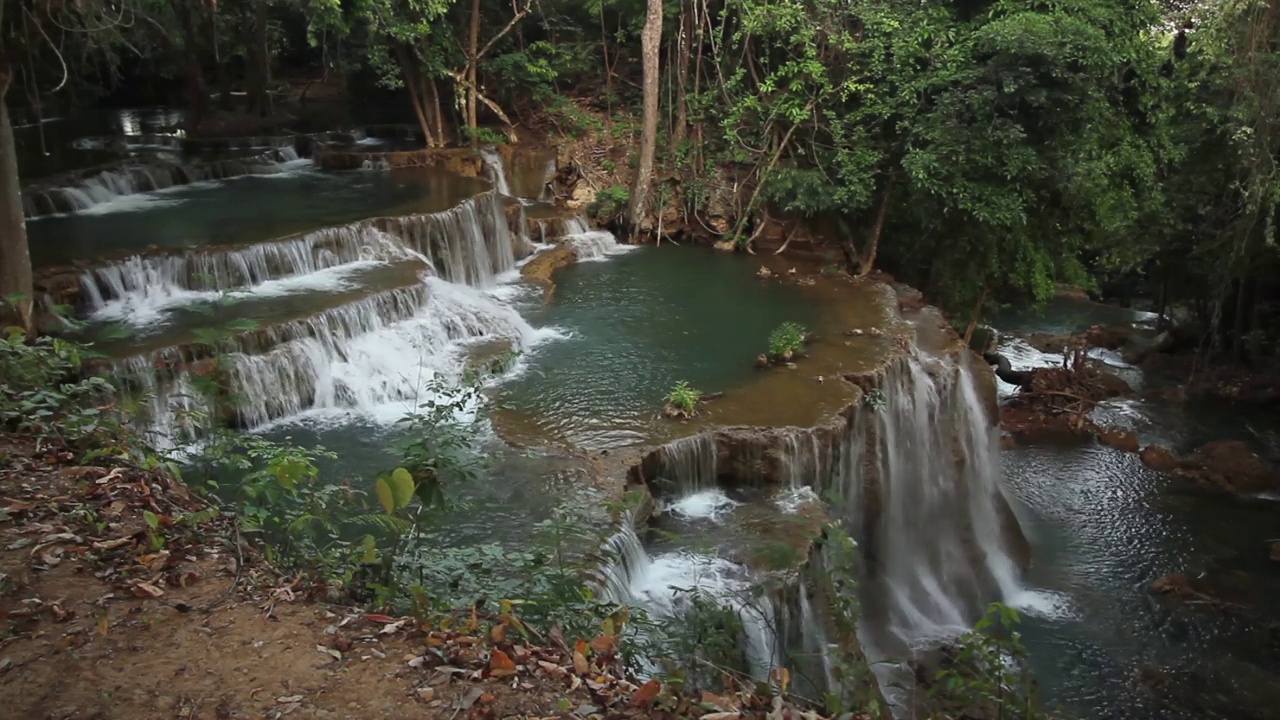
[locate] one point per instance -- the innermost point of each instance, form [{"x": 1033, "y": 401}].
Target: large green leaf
[
  {"x": 402, "y": 487},
  {"x": 385, "y": 494}
]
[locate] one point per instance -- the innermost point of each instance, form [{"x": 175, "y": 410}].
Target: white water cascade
[
  {"x": 940, "y": 555},
  {"x": 469, "y": 244},
  {"x": 593, "y": 245},
  {"x": 108, "y": 185},
  {"x": 663, "y": 587},
  {"x": 496, "y": 170}
]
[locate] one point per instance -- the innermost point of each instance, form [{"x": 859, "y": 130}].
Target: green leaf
[
  {"x": 402, "y": 487},
  {"x": 385, "y": 494},
  {"x": 152, "y": 520},
  {"x": 370, "y": 554}
]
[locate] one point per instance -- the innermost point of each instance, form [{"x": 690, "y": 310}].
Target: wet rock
[
  {"x": 1177, "y": 584},
  {"x": 1111, "y": 337},
  {"x": 1230, "y": 465},
  {"x": 544, "y": 264},
  {"x": 1275, "y": 551},
  {"x": 764, "y": 273},
  {"x": 1120, "y": 439},
  {"x": 1159, "y": 458},
  {"x": 725, "y": 246}
]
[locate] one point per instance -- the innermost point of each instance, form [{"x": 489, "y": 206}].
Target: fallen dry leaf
[
  {"x": 143, "y": 589},
  {"x": 647, "y": 693},
  {"x": 498, "y": 633},
  {"x": 501, "y": 664},
  {"x": 580, "y": 665},
  {"x": 721, "y": 716},
  {"x": 604, "y": 644}
]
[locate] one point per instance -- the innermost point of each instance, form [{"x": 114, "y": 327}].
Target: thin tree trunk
[
  {"x": 650, "y": 45},
  {"x": 16, "y": 294},
  {"x": 473, "y": 53},
  {"x": 436, "y": 113},
  {"x": 410, "y": 78},
  {"x": 259, "y": 100},
  {"x": 977, "y": 313},
  {"x": 682, "y": 79},
  {"x": 608, "y": 72},
  {"x": 197, "y": 98},
  {"x": 869, "y": 260}
]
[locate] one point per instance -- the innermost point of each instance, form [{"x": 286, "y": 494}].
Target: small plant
[
  {"x": 683, "y": 399},
  {"x": 787, "y": 341},
  {"x": 874, "y": 400},
  {"x": 609, "y": 204}
]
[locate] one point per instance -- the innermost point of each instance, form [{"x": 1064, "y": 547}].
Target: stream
[{"x": 352, "y": 318}]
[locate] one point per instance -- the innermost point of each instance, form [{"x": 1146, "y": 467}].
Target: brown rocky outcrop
[
  {"x": 1159, "y": 458},
  {"x": 1120, "y": 439},
  {"x": 1229, "y": 465},
  {"x": 461, "y": 161},
  {"x": 1224, "y": 465}
]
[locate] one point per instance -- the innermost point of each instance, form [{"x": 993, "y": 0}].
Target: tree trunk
[
  {"x": 197, "y": 98},
  {"x": 683, "y": 53},
  {"x": 473, "y": 55},
  {"x": 16, "y": 294},
  {"x": 869, "y": 260},
  {"x": 410, "y": 77},
  {"x": 436, "y": 114},
  {"x": 219, "y": 68},
  {"x": 650, "y": 44},
  {"x": 260, "y": 73}
]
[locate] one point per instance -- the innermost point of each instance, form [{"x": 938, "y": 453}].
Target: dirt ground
[{"x": 99, "y": 620}]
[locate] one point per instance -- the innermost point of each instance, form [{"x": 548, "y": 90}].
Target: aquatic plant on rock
[
  {"x": 786, "y": 343},
  {"x": 682, "y": 401}
]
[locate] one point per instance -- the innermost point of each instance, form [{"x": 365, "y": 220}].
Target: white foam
[
  {"x": 1045, "y": 604},
  {"x": 792, "y": 500},
  {"x": 711, "y": 505}
]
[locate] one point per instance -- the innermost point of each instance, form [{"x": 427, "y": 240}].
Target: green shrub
[
  {"x": 787, "y": 340},
  {"x": 610, "y": 204},
  {"x": 684, "y": 398}
]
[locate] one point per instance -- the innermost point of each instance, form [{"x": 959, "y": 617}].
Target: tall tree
[
  {"x": 650, "y": 45},
  {"x": 15, "y": 260}
]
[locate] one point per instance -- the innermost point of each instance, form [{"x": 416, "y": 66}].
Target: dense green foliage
[{"x": 984, "y": 150}]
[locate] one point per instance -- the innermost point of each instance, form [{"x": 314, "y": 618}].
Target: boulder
[
  {"x": 1159, "y": 458},
  {"x": 1230, "y": 465},
  {"x": 1120, "y": 439}
]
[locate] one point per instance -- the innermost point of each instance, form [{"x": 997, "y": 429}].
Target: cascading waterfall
[
  {"x": 660, "y": 585},
  {"x": 595, "y": 244},
  {"x": 141, "y": 285},
  {"x": 940, "y": 556},
  {"x": 129, "y": 180},
  {"x": 689, "y": 464},
  {"x": 469, "y": 244},
  {"x": 496, "y": 171},
  {"x": 365, "y": 357}
]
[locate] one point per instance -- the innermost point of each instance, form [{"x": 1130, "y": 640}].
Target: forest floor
[{"x": 123, "y": 595}]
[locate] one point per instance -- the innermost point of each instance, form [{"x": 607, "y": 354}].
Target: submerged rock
[
  {"x": 1158, "y": 458},
  {"x": 1229, "y": 465},
  {"x": 1125, "y": 440}
]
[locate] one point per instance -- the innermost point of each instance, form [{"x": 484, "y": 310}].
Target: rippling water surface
[
  {"x": 1103, "y": 527},
  {"x": 638, "y": 324}
]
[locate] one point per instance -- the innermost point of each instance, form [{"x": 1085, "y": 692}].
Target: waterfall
[
  {"x": 496, "y": 171},
  {"x": 595, "y": 245},
  {"x": 576, "y": 225},
  {"x": 689, "y": 464},
  {"x": 468, "y": 244},
  {"x": 366, "y": 357},
  {"x": 154, "y": 282},
  {"x": 108, "y": 185},
  {"x": 661, "y": 586},
  {"x": 940, "y": 557}
]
